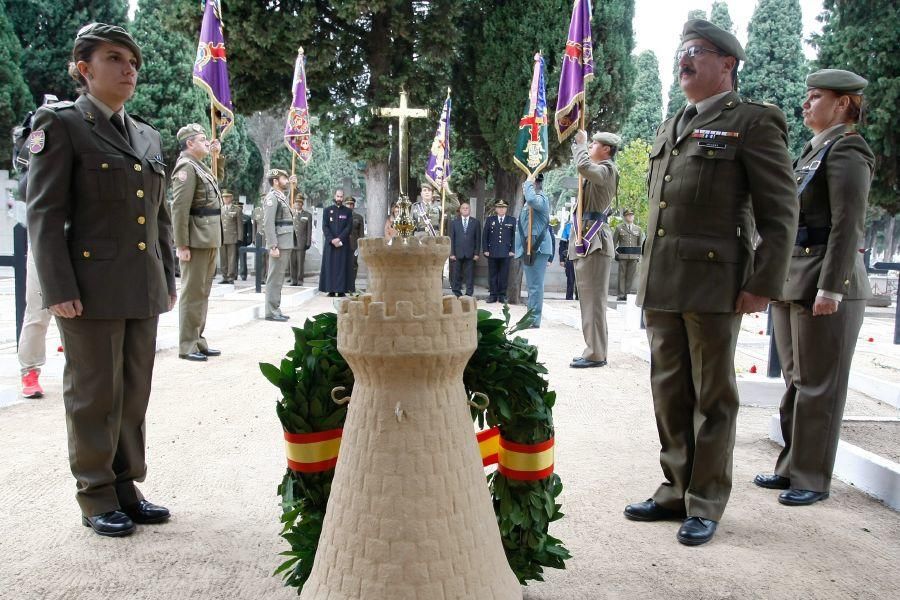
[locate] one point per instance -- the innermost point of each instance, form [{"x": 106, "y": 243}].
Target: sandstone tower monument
[{"x": 409, "y": 516}]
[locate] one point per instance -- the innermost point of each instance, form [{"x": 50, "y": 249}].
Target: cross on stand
[{"x": 405, "y": 224}]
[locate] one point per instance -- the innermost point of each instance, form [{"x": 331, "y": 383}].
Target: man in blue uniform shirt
[{"x": 537, "y": 212}]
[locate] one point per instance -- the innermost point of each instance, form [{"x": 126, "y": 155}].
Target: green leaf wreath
[{"x": 503, "y": 368}]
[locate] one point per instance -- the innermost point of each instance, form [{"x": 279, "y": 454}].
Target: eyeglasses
[{"x": 694, "y": 51}]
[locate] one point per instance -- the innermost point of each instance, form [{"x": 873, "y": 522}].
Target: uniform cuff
[{"x": 830, "y": 295}]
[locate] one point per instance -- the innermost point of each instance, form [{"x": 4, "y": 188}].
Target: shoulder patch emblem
[
  {"x": 36, "y": 141},
  {"x": 270, "y": 202},
  {"x": 181, "y": 175}
]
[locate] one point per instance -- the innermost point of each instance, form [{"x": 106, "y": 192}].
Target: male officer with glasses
[{"x": 719, "y": 170}]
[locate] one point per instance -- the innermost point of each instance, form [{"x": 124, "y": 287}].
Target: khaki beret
[
  {"x": 698, "y": 29},
  {"x": 610, "y": 139},
  {"x": 227, "y": 193},
  {"x": 838, "y": 80},
  {"x": 627, "y": 212},
  {"x": 189, "y": 131},
  {"x": 501, "y": 204},
  {"x": 276, "y": 173},
  {"x": 113, "y": 34}
]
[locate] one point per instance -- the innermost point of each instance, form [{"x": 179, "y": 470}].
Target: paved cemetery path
[{"x": 215, "y": 457}]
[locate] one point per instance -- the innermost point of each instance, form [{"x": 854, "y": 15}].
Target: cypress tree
[
  {"x": 644, "y": 117},
  {"x": 776, "y": 68},
  {"x": 719, "y": 16},
  {"x": 861, "y": 35},
  {"x": 676, "y": 96},
  {"x": 15, "y": 99},
  {"x": 47, "y": 30}
]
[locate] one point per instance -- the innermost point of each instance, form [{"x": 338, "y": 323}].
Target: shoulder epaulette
[
  {"x": 757, "y": 103},
  {"x": 142, "y": 120},
  {"x": 62, "y": 104}
]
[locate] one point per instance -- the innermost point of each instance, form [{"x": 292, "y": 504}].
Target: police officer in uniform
[
  {"x": 197, "y": 220},
  {"x": 232, "y": 231},
  {"x": 824, "y": 300},
  {"x": 278, "y": 222},
  {"x": 592, "y": 255},
  {"x": 627, "y": 240},
  {"x": 719, "y": 171},
  {"x": 497, "y": 241},
  {"x": 302, "y": 240},
  {"x": 101, "y": 237}
]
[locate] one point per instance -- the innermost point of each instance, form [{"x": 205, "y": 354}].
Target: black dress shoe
[
  {"x": 114, "y": 523},
  {"x": 279, "y": 318},
  {"x": 145, "y": 513},
  {"x": 696, "y": 530},
  {"x": 801, "y": 497},
  {"x": 651, "y": 511},
  {"x": 772, "y": 482},
  {"x": 198, "y": 356},
  {"x": 583, "y": 363},
  {"x": 211, "y": 352}
]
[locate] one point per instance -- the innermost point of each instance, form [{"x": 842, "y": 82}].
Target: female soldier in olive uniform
[
  {"x": 817, "y": 323},
  {"x": 102, "y": 240}
]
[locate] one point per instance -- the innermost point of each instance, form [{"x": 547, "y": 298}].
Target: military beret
[
  {"x": 276, "y": 173},
  {"x": 698, "y": 29},
  {"x": 501, "y": 204},
  {"x": 426, "y": 184},
  {"x": 113, "y": 34},
  {"x": 189, "y": 131},
  {"x": 610, "y": 139},
  {"x": 627, "y": 212},
  {"x": 837, "y": 80},
  {"x": 227, "y": 193}
]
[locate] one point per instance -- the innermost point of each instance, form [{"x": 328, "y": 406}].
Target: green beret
[
  {"x": 113, "y": 34},
  {"x": 838, "y": 80},
  {"x": 189, "y": 131},
  {"x": 501, "y": 204},
  {"x": 698, "y": 29},
  {"x": 227, "y": 193},
  {"x": 610, "y": 139},
  {"x": 276, "y": 173},
  {"x": 627, "y": 212}
]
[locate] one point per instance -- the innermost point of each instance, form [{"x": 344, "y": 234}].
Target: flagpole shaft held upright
[
  {"x": 293, "y": 168},
  {"x": 215, "y": 155},
  {"x": 579, "y": 211}
]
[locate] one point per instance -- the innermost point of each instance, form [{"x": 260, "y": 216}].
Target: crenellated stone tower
[{"x": 409, "y": 516}]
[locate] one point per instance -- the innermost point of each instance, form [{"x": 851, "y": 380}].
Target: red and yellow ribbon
[
  {"x": 489, "y": 445},
  {"x": 312, "y": 452},
  {"x": 526, "y": 462}
]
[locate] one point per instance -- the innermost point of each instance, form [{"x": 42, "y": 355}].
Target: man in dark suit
[
  {"x": 465, "y": 244},
  {"x": 497, "y": 245}
]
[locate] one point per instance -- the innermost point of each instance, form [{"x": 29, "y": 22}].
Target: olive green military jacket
[
  {"x": 727, "y": 173},
  {"x": 600, "y": 183},
  {"x": 278, "y": 221},
  {"x": 628, "y": 236},
  {"x": 98, "y": 224},
  {"x": 303, "y": 229},
  {"x": 196, "y": 204},
  {"x": 357, "y": 230},
  {"x": 232, "y": 223},
  {"x": 833, "y": 204}
]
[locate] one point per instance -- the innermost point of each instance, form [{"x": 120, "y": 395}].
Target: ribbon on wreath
[{"x": 316, "y": 452}]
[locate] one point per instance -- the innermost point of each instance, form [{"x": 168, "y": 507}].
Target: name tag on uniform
[
  {"x": 715, "y": 145},
  {"x": 709, "y": 134},
  {"x": 342, "y": 216},
  {"x": 304, "y": 218}
]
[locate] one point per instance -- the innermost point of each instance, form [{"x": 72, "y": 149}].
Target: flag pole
[
  {"x": 579, "y": 210},
  {"x": 293, "y": 168},
  {"x": 215, "y": 155},
  {"x": 444, "y": 186}
]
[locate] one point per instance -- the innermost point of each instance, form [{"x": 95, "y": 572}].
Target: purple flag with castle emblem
[
  {"x": 296, "y": 130},
  {"x": 577, "y": 70},
  {"x": 438, "y": 169},
  {"x": 211, "y": 67}
]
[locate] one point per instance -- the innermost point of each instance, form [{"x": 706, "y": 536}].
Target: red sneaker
[{"x": 31, "y": 388}]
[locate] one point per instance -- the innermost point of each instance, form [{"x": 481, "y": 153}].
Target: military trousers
[
  {"x": 592, "y": 279},
  {"x": 33, "y": 339},
  {"x": 297, "y": 265},
  {"x": 534, "y": 281},
  {"x": 498, "y": 276},
  {"x": 106, "y": 388},
  {"x": 569, "y": 266},
  {"x": 228, "y": 255},
  {"x": 628, "y": 268},
  {"x": 696, "y": 402},
  {"x": 815, "y": 353},
  {"x": 275, "y": 281},
  {"x": 197, "y": 277}
]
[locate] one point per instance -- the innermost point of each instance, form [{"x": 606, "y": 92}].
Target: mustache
[{"x": 686, "y": 71}]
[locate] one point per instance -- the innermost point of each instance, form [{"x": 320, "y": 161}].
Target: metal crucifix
[{"x": 405, "y": 224}]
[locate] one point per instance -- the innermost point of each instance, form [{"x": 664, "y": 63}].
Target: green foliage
[
  {"x": 243, "y": 165},
  {"x": 644, "y": 117},
  {"x": 305, "y": 379},
  {"x": 776, "y": 68},
  {"x": 327, "y": 169},
  {"x": 15, "y": 99},
  {"x": 719, "y": 15},
  {"x": 609, "y": 93},
  {"x": 504, "y": 369},
  {"x": 553, "y": 188},
  {"x": 634, "y": 163},
  {"x": 676, "y": 96},
  {"x": 47, "y": 31},
  {"x": 165, "y": 95},
  {"x": 862, "y": 36}
]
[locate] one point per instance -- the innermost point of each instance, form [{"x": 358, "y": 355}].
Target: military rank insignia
[
  {"x": 182, "y": 176},
  {"x": 36, "y": 141}
]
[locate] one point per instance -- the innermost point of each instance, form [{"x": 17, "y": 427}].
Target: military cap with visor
[
  {"x": 501, "y": 204},
  {"x": 276, "y": 173},
  {"x": 838, "y": 80},
  {"x": 112, "y": 34},
  {"x": 627, "y": 212},
  {"x": 699, "y": 29}
]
